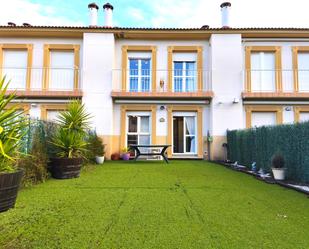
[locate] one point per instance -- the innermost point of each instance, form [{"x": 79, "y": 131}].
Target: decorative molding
[
  {"x": 22, "y": 106},
  {"x": 278, "y": 64},
  {"x": 263, "y": 108},
  {"x": 184, "y": 49},
  {"x": 295, "y": 51},
  {"x": 135, "y": 48},
  {"x": 29, "y": 49},
  {"x": 298, "y": 110},
  {"x": 46, "y": 61},
  {"x": 51, "y": 107}
]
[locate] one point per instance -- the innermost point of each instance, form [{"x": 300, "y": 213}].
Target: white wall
[
  {"x": 226, "y": 66},
  {"x": 98, "y": 61}
]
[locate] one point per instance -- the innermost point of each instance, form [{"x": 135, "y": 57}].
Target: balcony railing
[
  {"x": 42, "y": 79},
  {"x": 161, "y": 83},
  {"x": 270, "y": 81}
]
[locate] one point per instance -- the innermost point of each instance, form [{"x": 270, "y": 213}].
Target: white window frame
[
  {"x": 184, "y": 115},
  {"x": 184, "y": 77},
  {"x": 139, "y": 76},
  {"x": 138, "y": 133}
]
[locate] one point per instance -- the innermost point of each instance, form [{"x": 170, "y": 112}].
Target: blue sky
[{"x": 159, "y": 13}]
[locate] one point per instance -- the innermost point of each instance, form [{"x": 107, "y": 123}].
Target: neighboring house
[{"x": 161, "y": 86}]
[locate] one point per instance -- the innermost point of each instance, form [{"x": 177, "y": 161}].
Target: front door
[{"x": 184, "y": 134}]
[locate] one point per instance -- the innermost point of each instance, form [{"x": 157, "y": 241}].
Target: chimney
[
  {"x": 108, "y": 15},
  {"x": 225, "y": 14},
  {"x": 12, "y": 24},
  {"x": 93, "y": 14}
]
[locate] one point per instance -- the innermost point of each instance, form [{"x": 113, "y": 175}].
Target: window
[
  {"x": 263, "y": 73},
  {"x": 138, "y": 129},
  {"x": 263, "y": 118},
  {"x": 51, "y": 112},
  {"x": 139, "y": 75},
  {"x": 61, "y": 70},
  {"x": 303, "y": 116},
  {"x": 184, "y": 76},
  {"x": 259, "y": 115},
  {"x": 303, "y": 71}
]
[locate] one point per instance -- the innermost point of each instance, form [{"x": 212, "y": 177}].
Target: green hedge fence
[{"x": 259, "y": 144}]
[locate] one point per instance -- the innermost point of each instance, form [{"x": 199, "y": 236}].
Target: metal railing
[
  {"x": 268, "y": 80},
  {"x": 38, "y": 79},
  {"x": 180, "y": 81}
]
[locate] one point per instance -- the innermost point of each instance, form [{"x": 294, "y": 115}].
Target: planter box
[
  {"x": 279, "y": 173},
  {"x": 65, "y": 168},
  {"x": 9, "y": 185},
  {"x": 99, "y": 159}
]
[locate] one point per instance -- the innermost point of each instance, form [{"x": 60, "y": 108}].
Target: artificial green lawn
[{"x": 186, "y": 204}]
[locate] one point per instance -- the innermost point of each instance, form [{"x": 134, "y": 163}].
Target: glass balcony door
[
  {"x": 15, "y": 68},
  {"x": 184, "y": 77},
  {"x": 263, "y": 73},
  {"x": 62, "y": 70},
  {"x": 303, "y": 71},
  {"x": 139, "y": 75}
]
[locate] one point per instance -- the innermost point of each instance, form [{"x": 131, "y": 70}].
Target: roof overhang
[{"x": 150, "y": 33}]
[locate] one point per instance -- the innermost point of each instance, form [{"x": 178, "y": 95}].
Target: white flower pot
[
  {"x": 279, "y": 174},
  {"x": 99, "y": 159}
]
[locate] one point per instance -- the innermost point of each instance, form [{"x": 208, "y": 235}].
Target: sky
[{"x": 159, "y": 13}]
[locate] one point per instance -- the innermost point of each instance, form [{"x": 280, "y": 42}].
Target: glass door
[
  {"x": 184, "y": 134},
  {"x": 139, "y": 75}
]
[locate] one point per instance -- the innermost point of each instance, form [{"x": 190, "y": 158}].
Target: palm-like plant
[
  {"x": 12, "y": 128},
  {"x": 70, "y": 138},
  {"x": 75, "y": 118}
]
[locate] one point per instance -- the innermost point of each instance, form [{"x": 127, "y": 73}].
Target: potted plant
[
  {"x": 69, "y": 141},
  {"x": 115, "y": 156},
  {"x": 96, "y": 148},
  {"x": 12, "y": 129},
  {"x": 278, "y": 169},
  {"x": 125, "y": 155}
]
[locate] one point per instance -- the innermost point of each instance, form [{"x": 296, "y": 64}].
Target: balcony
[
  {"x": 161, "y": 84},
  {"x": 43, "y": 82},
  {"x": 276, "y": 84}
]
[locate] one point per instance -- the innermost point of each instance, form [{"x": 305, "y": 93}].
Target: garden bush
[
  {"x": 260, "y": 144},
  {"x": 35, "y": 163},
  {"x": 95, "y": 146}
]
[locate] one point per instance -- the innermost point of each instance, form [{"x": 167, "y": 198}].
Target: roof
[{"x": 150, "y": 33}]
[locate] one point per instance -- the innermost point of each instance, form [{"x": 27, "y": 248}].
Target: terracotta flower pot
[
  {"x": 65, "y": 168},
  {"x": 9, "y": 185}
]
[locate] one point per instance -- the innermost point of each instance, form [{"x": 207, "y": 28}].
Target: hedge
[{"x": 259, "y": 144}]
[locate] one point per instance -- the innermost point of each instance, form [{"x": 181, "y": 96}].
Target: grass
[{"x": 186, "y": 204}]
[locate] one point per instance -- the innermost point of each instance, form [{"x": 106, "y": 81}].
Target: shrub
[
  {"x": 277, "y": 161},
  {"x": 35, "y": 164},
  {"x": 95, "y": 146},
  {"x": 12, "y": 130}
]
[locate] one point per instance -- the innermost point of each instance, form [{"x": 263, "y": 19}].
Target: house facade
[{"x": 182, "y": 87}]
